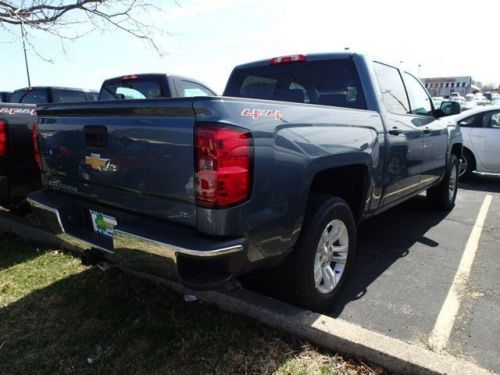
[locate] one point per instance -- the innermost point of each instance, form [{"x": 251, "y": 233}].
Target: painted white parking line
[{"x": 444, "y": 324}]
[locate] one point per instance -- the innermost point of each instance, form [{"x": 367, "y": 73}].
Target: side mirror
[{"x": 449, "y": 108}]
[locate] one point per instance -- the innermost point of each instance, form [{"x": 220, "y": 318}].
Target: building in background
[{"x": 444, "y": 86}]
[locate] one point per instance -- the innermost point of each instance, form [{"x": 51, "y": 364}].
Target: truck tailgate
[{"x": 137, "y": 156}]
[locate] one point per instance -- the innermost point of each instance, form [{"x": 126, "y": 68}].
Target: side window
[
  {"x": 37, "y": 96},
  {"x": 491, "y": 119},
  {"x": 475, "y": 121},
  {"x": 67, "y": 96},
  {"x": 420, "y": 103},
  {"x": 190, "y": 89},
  {"x": 393, "y": 90}
]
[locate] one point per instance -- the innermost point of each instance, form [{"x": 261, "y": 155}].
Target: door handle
[
  {"x": 427, "y": 131},
  {"x": 395, "y": 131}
]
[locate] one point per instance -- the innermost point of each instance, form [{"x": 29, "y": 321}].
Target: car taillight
[
  {"x": 130, "y": 76},
  {"x": 223, "y": 165},
  {"x": 36, "y": 150},
  {"x": 3, "y": 138}
]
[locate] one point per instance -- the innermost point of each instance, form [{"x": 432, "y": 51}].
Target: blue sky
[{"x": 209, "y": 37}]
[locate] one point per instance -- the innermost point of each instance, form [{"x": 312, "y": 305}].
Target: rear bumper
[{"x": 143, "y": 243}]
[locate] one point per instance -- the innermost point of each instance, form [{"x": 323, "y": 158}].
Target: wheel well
[
  {"x": 348, "y": 182},
  {"x": 456, "y": 150},
  {"x": 466, "y": 150}
]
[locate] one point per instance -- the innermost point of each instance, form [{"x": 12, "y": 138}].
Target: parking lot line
[{"x": 440, "y": 335}]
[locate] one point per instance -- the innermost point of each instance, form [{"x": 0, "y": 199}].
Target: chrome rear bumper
[{"x": 144, "y": 248}]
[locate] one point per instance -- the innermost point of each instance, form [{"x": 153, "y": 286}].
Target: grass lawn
[{"x": 59, "y": 317}]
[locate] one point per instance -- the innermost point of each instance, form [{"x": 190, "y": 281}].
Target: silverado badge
[{"x": 96, "y": 162}]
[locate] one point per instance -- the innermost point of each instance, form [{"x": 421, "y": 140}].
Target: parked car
[
  {"x": 151, "y": 86},
  {"x": 19, "y": 172},
  {"x": 279, "y": 172},
  {"x": 4, "y": 96},
  {"x": 481, "y": 134},
  {"x": 49, "y": 94}
]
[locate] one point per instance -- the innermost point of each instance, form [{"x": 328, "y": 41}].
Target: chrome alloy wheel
[
  {"x": 452, "y": 186},
  {"x": 464, "y": 164},
  {"x": 331, "y": 256}
]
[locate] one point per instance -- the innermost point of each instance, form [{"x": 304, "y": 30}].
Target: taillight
[
  {"x": 36, "y": 150},
  {"x": 223, "y": 165},
  {"x": 288, "y": 59},
  {"x": 130, "y": 76},
  {"x": 3, "y": 138}
]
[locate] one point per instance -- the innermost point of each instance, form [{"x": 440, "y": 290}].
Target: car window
[
  {"x": 130, "y": 89},
  {"x": 393, "y": 91},
  {"x": 190, "y": 89},
  {"x": 325, "y": 82},
  {"x": 475, "y": 121},
  {"x": 36, "y": 96},
  {"x": 67, "y": 96},
  {"x": 420, "y": 103},
  {"x": 491, "y": 119}
]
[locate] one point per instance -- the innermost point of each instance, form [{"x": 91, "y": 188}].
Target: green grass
[{"x": 56, "y": 316}]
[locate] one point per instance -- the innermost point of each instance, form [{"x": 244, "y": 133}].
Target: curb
[{"x": 336, "y": 335}]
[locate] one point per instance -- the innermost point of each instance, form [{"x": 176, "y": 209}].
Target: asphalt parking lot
[{"x": 407, "y": 261}]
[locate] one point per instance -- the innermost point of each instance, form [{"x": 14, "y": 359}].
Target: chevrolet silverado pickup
[
  {"x": 152, "y": 86},
  {"x": 19, "y": 173},
  {"x": 276, "y": 173}
]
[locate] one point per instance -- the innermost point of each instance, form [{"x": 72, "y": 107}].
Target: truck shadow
[
  {"x": 94, "y": 322},
  {"x": 9, "y": 256},
  {"x": 482, "y": 182},
  {"x": 383, "y": 240}
]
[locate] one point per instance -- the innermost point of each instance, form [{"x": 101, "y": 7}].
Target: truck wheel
[
  {"x": 323, "y": 254},
  {"x": 442, "y": 196}
]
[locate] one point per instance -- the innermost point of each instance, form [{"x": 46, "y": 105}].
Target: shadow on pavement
[
  {"x": 383, "y": 240},
  {"x": 482, "y": 182}
]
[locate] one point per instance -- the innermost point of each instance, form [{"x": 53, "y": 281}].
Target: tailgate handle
[{"x": 96, "y": 136}]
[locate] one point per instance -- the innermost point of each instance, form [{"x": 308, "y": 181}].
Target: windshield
[
  {"x": 325, "y": 82},
  {"x": 130, "y": 89}
]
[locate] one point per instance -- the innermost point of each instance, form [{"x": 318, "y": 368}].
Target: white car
[{"x": 481, "y": 133}]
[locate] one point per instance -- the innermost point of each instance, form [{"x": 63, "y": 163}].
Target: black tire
[
  {"x": 470, "y": 162},
  {"x": 299, "y": 277},
  {"x": 441, "y": 197}
]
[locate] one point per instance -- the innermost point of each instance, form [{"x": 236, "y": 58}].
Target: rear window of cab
[{"x": 325, "y": 82}]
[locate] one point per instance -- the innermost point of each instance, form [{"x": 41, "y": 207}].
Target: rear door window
[
  {"x": 393, "y": 90},
  {"x": 326, "y": 82},
  {"x": 131, "y": 89}
]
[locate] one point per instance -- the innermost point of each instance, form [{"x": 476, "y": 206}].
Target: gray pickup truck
[{"x": 276, "y": 173}]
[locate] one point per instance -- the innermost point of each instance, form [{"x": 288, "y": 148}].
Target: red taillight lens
[
  {"x": 3, "y": 138},
  {"x": 130, "y": 76},
  {"x": 223, "y": 165},
  {"x": 288, "y": 59},
  {"x": 36, "y": 150}
]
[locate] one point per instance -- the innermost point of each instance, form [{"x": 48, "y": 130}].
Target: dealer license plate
[{"x": 103, "y": 224}]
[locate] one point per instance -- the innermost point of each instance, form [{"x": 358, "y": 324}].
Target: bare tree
[{"x": 73, "y": 19}]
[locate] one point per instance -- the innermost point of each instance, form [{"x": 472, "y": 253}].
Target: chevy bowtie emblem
[{"x": 96, "y": 162}]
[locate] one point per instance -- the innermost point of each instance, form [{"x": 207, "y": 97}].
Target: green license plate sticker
[{"x": 103, "y": 224}]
